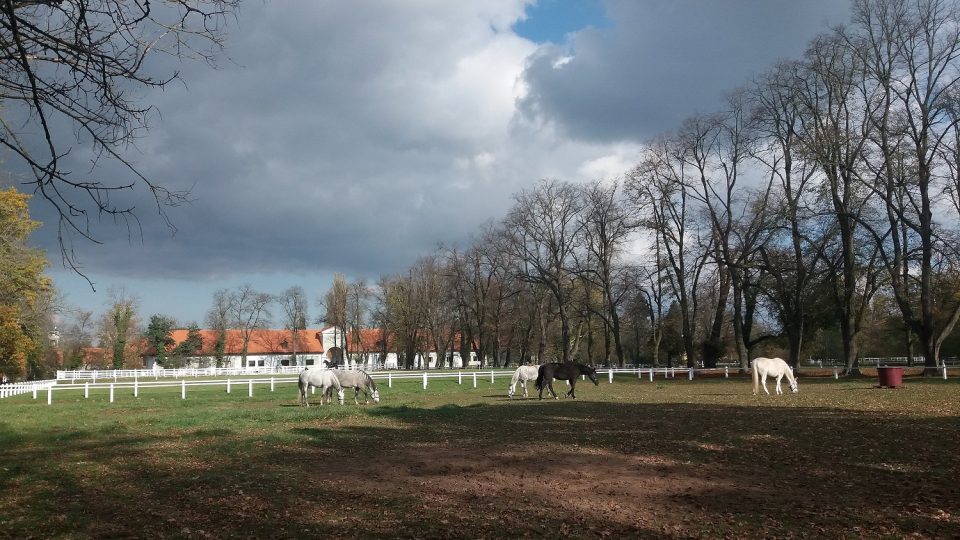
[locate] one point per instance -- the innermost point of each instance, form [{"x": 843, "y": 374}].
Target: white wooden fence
[
  {"x": 15, "y": 389},
  {"x": 106, "y": 374},
  {"x": 471, "y": 377}
]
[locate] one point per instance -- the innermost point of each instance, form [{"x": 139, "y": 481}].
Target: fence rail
[{"x": 423, "y": 377}]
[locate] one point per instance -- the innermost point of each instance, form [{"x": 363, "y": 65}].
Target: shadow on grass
[{"x": 540, "y": 468}]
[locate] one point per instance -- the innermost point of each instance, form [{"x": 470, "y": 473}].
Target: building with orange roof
[
  {"x": 266, "y": 348},
  {"x": 271, "y": 348}
]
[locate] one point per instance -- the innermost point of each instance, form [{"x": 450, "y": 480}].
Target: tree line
[{"x": 820, "y": 203}]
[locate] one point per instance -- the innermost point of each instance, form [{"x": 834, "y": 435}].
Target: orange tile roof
[{"x": 265, "y": 341}]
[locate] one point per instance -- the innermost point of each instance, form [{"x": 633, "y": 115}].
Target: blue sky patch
[{"x": 552, "y": 20}]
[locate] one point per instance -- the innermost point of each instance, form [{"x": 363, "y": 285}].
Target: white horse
[
  {"x": 323, "y": 379},
  {"x": 772, "y": 367},
  {"x": 360, "y": 381},
  {"x": 522, "y": 375}
]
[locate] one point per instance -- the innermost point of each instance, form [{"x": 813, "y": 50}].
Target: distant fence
[
  {"x": 422, "y": 377},
  {"x": 879, "y": 361}
]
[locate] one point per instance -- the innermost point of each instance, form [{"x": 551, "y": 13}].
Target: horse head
[
  {"x": 375, "y": 396},
  {"x": 793, "y": 386},
  {"x": 592, "y": 373},
  {"x": 340, "y": 396}
]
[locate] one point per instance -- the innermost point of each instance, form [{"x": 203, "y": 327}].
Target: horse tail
[
  {"x": 756, "y": 377},
  {"x": 540, "y": 378},
  {"x": 302, "y": 385},
  {"x": 516, "y": 377}
]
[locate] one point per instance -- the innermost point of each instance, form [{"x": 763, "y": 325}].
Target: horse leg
[
  {"x": 356, "y": 392},
  {"x": 763, "y": 381},
  {"x": 573, "y": 386},
  {"x": 550, "y": 386},
  {"x": 779, "y": 390}
]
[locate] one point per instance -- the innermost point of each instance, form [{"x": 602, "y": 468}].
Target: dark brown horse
[{"x": 567, "y": 371}]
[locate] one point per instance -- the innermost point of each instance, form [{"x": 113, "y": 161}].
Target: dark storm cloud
[
  {"x": 663, "y": 60},
  {"x": 334, "y": 137}
]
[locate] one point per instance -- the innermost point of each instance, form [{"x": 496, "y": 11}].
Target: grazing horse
[
  {"x": 567, "y": 371},
  {"x": 772, "y": 367},
  {"x": 359, "y": 380},
  {"x": 522, "y": 375},
  {"x": 323, "y": 379}
]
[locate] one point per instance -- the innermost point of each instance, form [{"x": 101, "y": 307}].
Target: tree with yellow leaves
[{"x": 25, "y": 292}]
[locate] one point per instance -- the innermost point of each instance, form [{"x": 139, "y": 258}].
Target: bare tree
[
  {"x": 399, "y": 315},
  {"x": 606, "y": 226},
  {"x": 218, "y": 318},
  {"x": 790, "y": 258},
  {"x": 251, "y": 312},
  {"x": 835, "y": 130},
  {"x": 910, "y": 53},
  {"x": 334, "y": 304},
  {"x": 358, "y": 297},
  {"x": 293, "y": 305},
  {"x": 437, "y": 303},
  {"x": 659, "y": 187},
  {"x": 75, "y": 62},
  {"x": 544, "y": 231}
]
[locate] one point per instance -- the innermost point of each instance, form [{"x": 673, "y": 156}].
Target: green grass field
[{"x": 672, "y": 458}]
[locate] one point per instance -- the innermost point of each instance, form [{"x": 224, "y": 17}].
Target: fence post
[
  {"x": 34, "y": 391},
  {"x": 836, "y": 374},
  {"x": 424, "y": 380},
  {"x": 49, "y": 394},
  {"x": 651, "y": 374},
  {"x": 610, "y": 375},
  {"x": 491, "y": 377},
  {"x": 691, "y": 374},
  {"x": 250, "y": 393},
  {"x": 726, "y": 372},
  {"x": 136, "y": 388},
  {"x": 271, "y": 384},
  {"x": 86, "y": 390},
  {"x": 228, "y": 386},
  {"x": 111, "y": 391},
  {"x": 944, "y": 371},
  {"x": 460, "y": 378},
  {"x": 183, "y": 389},
  {"x": 474, "y": 379},
  {"x": 389, "y": 380}
]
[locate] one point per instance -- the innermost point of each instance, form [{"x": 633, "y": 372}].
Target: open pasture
[{"x": 672, "y": 458}]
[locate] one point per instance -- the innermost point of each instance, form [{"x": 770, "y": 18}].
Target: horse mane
[{"x": 373, "y": 385}]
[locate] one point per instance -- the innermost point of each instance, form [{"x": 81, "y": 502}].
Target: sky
[{"x": 354, "y": 137}]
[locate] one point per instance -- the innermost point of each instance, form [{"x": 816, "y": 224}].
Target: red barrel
[{"x": 890, "y": 377}]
